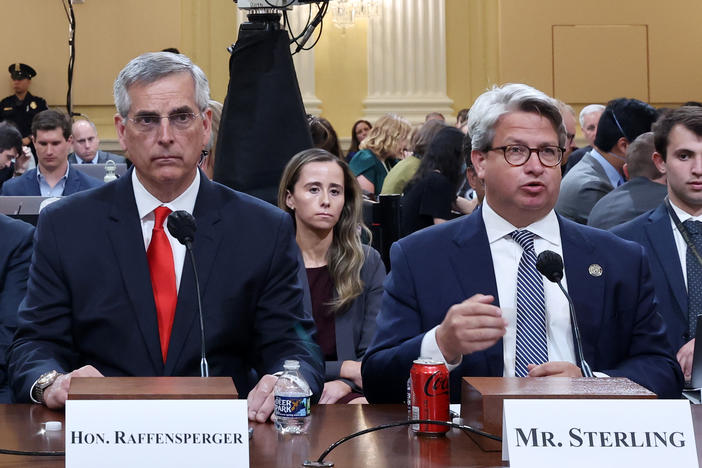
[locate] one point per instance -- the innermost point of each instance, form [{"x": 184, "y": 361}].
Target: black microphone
[
  {"x": 181, "y": 225},
  {"x": 550, "y": 264}
]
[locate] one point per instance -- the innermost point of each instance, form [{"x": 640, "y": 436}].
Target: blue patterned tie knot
[
  {"x": 693, "y": 227},
  {"x": 694, "y": 275},
  {"x": 531, "y": 346}
]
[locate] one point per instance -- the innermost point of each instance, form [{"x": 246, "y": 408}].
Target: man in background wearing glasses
[
  {"x": 467, "y": 292},
  {"x": 111, "y": 292},
  {"x": 600, "y": 171}
]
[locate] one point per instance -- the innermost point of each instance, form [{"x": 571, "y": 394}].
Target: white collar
[
  {"x": 546, "y": 228},
  {"x": 147, "y": 203}
]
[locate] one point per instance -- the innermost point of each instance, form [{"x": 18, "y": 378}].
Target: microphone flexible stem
[
  {"x": 204, "y": 367},
  {"x": 584, "y": 366},
  {"x": 320, "y": 460}
]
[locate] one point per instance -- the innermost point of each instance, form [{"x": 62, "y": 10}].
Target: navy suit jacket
[
  {"x": 28, "y": 185},
  {"x": 92, "y": 303},
  {"x": 623, "y": 335},
  {"x": 15, "y": 254},
  {"x": 654, "y": 231}
]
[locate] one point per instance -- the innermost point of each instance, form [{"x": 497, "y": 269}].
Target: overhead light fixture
[{"x": 345, "y": 12}]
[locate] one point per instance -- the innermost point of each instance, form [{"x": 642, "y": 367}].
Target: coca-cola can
[{"x": 429, "y": 395}]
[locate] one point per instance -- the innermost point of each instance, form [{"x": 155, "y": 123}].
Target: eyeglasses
[
  {"x": 150, "y": 122},
  {"x": 518, "y": 155}
]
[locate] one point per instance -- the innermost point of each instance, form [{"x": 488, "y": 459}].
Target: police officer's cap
[{"x": 21, "y": 71}]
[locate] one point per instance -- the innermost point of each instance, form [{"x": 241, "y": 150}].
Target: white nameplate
[
  {"x": 598, "y": 433},
  {"x": 172, "y": 433}
]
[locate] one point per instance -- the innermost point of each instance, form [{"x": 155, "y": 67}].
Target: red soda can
[{"x": 429, "y": 394}]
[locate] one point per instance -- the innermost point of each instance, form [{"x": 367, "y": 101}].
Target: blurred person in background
[
  {"x": 430, "y": 196},
  {"x": 359, "y": 132},
  {"x": 207, "y": 161},
  {"x": 324, "y": 136},
  {"x": 402, "y": 172},
  {"x": 385, "y": 142},
  {"x": 10, "y": 150}
]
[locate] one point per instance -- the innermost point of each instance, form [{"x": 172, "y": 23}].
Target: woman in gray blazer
[{"x": 345, "y": 277}]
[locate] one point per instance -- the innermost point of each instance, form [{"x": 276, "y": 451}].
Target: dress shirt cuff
[
  {"x": 31, "y": 393},
  {"x": 430, "y": 349},
  {"x": 600, "y": 375}
]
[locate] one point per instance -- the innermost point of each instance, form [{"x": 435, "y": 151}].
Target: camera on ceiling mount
[{"x": 266, "y": 15}]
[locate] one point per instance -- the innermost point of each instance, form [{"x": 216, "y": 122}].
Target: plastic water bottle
[{"x": 292, "y": 400}]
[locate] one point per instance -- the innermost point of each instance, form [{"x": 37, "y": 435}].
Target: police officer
[{"x": 21, "y": 107}]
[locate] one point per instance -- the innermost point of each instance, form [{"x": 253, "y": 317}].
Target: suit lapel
[
  {"x": 473, "y": 268},
  {"x": 33, "y": 183},
  {"x": 662, "y": 242},
  {"x": 585, "y": 288},
  {"x": 205, "y": 246},
  {"x": 124, "y": 232},
  {"x": 73, "y": 183}
]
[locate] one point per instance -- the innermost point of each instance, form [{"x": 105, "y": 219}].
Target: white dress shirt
[
  {"x": 680, "y": 244},
  {"x": 506, "y": 254},
  {"x": 147, "y": 203}
]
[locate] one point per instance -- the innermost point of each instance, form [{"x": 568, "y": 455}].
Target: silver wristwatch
[{"x": 41, "y": 384}]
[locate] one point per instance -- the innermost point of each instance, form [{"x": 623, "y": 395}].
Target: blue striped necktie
[{"x": 531, "y": 309}]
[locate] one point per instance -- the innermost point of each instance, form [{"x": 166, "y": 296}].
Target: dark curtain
[{"x": 263, "y": 120}]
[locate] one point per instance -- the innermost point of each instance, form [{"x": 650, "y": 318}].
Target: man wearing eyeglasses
[
  {"x": 600, "y": 171},
  {"x": 467, "y": 292},
  {"x": 120, "y": 300}
]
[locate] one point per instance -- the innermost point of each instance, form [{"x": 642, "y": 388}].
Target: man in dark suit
[
  {"x": 15, "y": 254},
  {"x": 600, "y": 171},
  {"x": 86, "y": 143},
  {"x": 124, "y": 303},
  {"x": 51, "y": 134},
  {"x": 674, "y": 265},
  {"x": 467, "y": 292},
  {"x": 644, "y": 189}
]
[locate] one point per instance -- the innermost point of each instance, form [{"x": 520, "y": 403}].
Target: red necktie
[{"x": 163, "y": 280}]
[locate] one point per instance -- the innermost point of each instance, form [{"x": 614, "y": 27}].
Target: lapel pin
[{"x": 595, "y": 270}]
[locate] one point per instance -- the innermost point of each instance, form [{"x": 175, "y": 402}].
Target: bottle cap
[
  {"x": 291, "y": 364},
  {"x": 53, "y": 425}
]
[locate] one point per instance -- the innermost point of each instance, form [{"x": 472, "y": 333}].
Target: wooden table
[{"x": 20, "y": 429}]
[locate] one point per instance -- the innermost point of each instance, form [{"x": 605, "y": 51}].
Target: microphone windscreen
[
  {"x": 181, "y": 225},
  {"x": 550, "y": 264}
]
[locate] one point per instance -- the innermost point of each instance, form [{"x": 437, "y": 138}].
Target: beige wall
[
  {"x": 604, "y": 49},
  {"x": 580, "y": 51},
  {"x": 341, "y": 74},
  {"x": 108, "y": 34}
]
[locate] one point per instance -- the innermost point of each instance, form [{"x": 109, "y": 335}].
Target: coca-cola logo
[{"x": 436, "y": 384}]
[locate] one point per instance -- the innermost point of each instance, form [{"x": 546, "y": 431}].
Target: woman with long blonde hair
[
  {"x": 384, "y": 144},
  {"x": 345, "y": 277}
]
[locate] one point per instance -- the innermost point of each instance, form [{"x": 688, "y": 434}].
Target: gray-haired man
[
  {"x": 139, "y": 316},
  {"x": 467, "y": 292}
]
